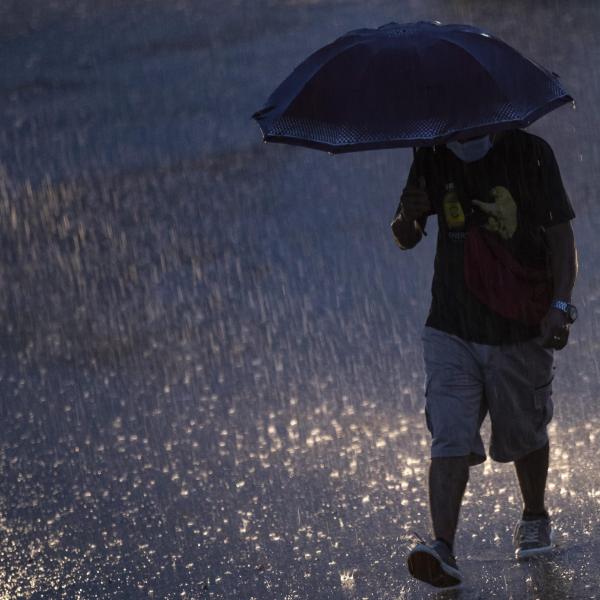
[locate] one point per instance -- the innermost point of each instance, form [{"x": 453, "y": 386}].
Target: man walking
[{"x": 504, "y": 272}]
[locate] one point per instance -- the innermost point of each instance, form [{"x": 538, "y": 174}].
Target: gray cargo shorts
[{"x": 466, "y": 381}]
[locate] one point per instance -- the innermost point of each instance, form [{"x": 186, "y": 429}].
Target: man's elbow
[
  {"x": 561, "y": 233},
  {"x": 405, "y": 237},
  {"x": 561, "y": 242},
  {"x": 560, "y": 238},
  {"x": 405, "y": 245}
]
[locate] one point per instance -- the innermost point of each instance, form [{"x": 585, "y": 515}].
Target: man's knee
[
  {"x": 535, "y": 456},
  {"x": 455, "y": 467}
]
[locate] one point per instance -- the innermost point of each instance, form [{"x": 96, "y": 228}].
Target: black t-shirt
[{"x": 516, "y": 192}]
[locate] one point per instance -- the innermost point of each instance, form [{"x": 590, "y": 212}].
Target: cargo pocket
[
  {"x": 543, "y": 405},
  {"x": 428, "y": 422},
  {"x": 427, "y": 416}
]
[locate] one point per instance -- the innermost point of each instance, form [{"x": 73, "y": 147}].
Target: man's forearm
[
  {"x": 564, "y": 260},
  {"x": 407, "y": 233}
]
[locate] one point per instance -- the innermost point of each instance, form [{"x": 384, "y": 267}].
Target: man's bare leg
[
  {"x": 532, "y": 472},
  {"x": 448, "y": 479}
]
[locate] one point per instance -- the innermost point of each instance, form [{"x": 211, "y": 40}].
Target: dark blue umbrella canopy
[{"x": 402, "y": 85}]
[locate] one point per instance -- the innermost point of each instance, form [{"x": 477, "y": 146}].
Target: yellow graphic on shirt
[
  {"x": 455, "y": 216},
  {"x": 501, "y": 212}
]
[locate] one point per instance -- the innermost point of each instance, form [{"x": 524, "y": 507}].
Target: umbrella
[{"x": 403, "y": 85}]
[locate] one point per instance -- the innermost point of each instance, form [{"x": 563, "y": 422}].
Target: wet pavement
[{"x": 210, "y": 368}]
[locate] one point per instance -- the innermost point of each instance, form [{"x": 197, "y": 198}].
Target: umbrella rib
[
  {"x": 483, "y": 66},
  {"x": 288, "y": 96}
]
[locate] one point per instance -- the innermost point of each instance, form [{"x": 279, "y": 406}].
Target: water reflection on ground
[{"x": 301, "y": 500}]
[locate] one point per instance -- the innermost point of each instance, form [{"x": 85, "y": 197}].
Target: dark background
[{"x": 210, "y": 371}]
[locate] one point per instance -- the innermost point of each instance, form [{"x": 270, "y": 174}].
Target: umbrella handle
[{"x": 421, "y": 230}]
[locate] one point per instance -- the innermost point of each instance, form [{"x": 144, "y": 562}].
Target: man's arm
[
  {"x": 564, "y": 259},
  {"x": 411, "y": 216},
  {"x": 564, "y": 272}
]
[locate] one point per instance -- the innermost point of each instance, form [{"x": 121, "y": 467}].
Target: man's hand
[
  {"x": 555, "y": 329},
  {"x": 414, "y": 201}
]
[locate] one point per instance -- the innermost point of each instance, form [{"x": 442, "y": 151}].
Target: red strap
[{"x": 508, "y": 288}]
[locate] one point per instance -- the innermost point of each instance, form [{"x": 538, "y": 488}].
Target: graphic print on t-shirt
[
  {"x": 501, "y": 212},
  {"x": 455, "y": 216}
]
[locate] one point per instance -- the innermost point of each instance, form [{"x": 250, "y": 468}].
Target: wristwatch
[{"x": 569, "y": 309}]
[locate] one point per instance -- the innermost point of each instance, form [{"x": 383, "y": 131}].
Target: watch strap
[{"x": 562, "y": 305}]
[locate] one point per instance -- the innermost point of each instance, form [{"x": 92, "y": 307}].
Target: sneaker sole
[
  {"x": 533, "y": 551},
  {"x": 426, "y": 565},
  {"x": 521, "y": 554}
]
